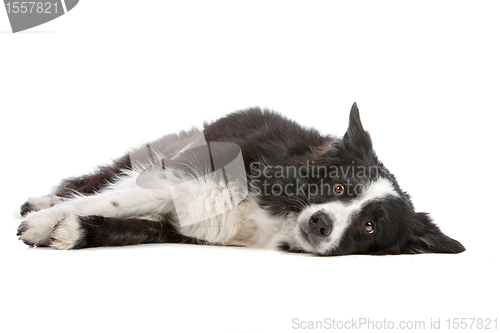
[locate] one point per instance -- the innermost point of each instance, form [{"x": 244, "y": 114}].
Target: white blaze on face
[{"x": 340, "y": 213}]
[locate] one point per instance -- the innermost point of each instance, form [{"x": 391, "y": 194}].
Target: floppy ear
[
  {"x": 429, "y": 239},
  {"x": 356, "y": 138}
]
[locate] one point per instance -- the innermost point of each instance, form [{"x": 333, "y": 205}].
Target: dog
[{"x": 253, "y": 178}]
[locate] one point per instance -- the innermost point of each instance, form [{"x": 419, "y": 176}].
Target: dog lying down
[{"x": 252, "y": 178}]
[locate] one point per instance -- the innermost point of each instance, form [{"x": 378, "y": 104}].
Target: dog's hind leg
[
  {"x": 169, "y": 145},
  {"x": 38, "y": 203},
  {"x": 87, "y": 184},
  {"x": 92, "y": 183}
]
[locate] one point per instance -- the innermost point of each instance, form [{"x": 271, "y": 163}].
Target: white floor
[
  {"x": 186, "y": 288},
  {"x": 80, "y": 90}
]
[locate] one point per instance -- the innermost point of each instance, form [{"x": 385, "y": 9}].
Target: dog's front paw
[
  {"x": 37, "y": 228},
  {"x": 39, "y": 203},
  {"x": 67, "y": 233}
]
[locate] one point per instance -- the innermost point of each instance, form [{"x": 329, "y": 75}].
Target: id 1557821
[{"x": 25, "y": 7}]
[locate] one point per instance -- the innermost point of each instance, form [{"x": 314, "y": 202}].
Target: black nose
[{"x": 320, "y": 224}]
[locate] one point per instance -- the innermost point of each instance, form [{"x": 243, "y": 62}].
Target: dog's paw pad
[
  {"x": 32, "y": 234},
  {"x": 35, "y": 230},
  {"x": 26, "y": 208},
  {"x": 23, "y": 227},
  {"x": 39, "y": 203},
  {"x": 67, "y": 233}
]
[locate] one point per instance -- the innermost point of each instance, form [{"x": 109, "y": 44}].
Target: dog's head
[{"x": 365, "y": 211}]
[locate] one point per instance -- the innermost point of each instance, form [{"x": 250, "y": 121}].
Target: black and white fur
[{"x": 366, "y": 213}]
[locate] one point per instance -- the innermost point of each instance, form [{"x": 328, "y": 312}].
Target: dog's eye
[
  {"x": 339, "y": 188},
  {"x": 369, "y": 227}
]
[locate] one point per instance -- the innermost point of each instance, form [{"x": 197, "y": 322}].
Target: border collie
[{"x": 252, "y": 178}]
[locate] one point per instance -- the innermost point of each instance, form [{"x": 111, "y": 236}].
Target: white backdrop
[{"x": 109, "y": 75}]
